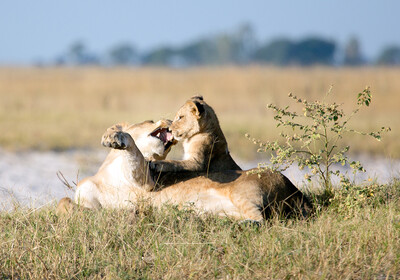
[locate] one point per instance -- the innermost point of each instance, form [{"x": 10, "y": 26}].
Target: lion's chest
[{"x": 118, "y": 185}]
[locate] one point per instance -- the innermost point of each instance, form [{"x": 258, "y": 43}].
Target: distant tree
[
  {"x": 77, "y": 50},
  {"x": 246, "y": 43},
  {"x": 60, "y": 60},
  {"x": 306, "y": 52},
  {"x": 352, "y": 53},
  {"x": 390, "y": 56},
  {"x": 313, "y": 51},
  {"x": 216, "y": 50},
  {"x": 278, "y": 52},
  {"x": 229, "y": 48},
  {"x": 237, "y": 47},
  {"x": 160, "y": 56},
  {"x": 198, "y": 53},
  {"x": 78, "y": 54},
  {"x": 123, "y": 54}
]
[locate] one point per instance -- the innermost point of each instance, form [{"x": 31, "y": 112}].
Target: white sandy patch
[
  {"x": 30, "y": 178},
  {"x": 378, "y": 169}
]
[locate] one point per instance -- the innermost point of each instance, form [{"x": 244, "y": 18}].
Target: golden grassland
[
  {"x": 359, "y": 239},
  {"x": 354, "y": 235},
  {"x": 62, "y": 108}
]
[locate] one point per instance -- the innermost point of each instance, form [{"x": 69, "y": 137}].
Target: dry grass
[
  {"x": 60, "y": 108},
  {"x": 356, "y": 237},
  {"x": 359, "y": 240}
]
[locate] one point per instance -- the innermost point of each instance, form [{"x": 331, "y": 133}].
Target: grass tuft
[{"x": 359, "y": 240}]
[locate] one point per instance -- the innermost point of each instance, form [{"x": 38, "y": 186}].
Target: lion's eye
[{"x": 180, "y": 117}]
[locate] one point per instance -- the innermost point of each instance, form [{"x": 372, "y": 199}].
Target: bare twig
[{"x": 65, "y": 182}]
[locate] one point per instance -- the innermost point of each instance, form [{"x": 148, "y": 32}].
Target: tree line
[{"x": 240, "y": 47}]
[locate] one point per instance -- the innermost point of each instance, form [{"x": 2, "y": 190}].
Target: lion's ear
[
  {"x": 198, "y": 108},
  {"x": 198, "y": 96}
]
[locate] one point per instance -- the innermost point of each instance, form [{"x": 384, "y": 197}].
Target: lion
[
  {"x": 110, "y": 186},
  {"x": 204, "y": 144},
  {"x": 124, "y": 180}
]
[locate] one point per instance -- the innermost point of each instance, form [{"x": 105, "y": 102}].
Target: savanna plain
[{"x": 353, "y": 235}]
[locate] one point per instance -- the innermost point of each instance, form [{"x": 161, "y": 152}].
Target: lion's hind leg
[
  {"x": 65, "y": 206},
  {"x": 251, "y": 212},
  {"x": 248, "y": 205}
]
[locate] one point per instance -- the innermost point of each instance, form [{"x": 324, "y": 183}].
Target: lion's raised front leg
[
  {"x": 126, "y": 163},
  {"x": 116, "y": 138}
]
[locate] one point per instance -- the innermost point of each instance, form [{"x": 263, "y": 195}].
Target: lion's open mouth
[{"x": 165, "y": 136}]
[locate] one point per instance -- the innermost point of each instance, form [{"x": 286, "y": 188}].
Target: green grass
[{"x": 356, "y": 237}]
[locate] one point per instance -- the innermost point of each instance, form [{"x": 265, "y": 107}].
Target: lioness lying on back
[
  {"x": 111, "y": 186},
  {"x": 204, "y": 144}
]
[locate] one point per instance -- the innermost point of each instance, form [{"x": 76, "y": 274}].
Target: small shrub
[
  {"x": 357, "y": 196},
  {"x": 352, "y": 198},
  {"x": 313, "y": 139}
]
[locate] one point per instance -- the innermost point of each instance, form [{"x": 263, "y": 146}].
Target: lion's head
[
  {"x": 153, "y": 139},
  {"x": 194, "y": 117}
]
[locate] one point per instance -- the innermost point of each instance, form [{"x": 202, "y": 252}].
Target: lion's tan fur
[
  {"x": 232, "y": 193},
  {"x": 205, "y": 146},
  {"x": 123, "y": 168}
]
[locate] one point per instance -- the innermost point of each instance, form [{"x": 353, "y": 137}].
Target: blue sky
[{"x": 42, "y": 29}]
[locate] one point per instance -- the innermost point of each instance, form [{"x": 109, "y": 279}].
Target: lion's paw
[{"x": 117, "y": 140}]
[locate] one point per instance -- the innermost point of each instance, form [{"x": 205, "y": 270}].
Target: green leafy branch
[{"x": 315, "y": 137}]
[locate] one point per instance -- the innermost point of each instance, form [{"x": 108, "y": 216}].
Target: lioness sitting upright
[{"x": 204, "y": 144}]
